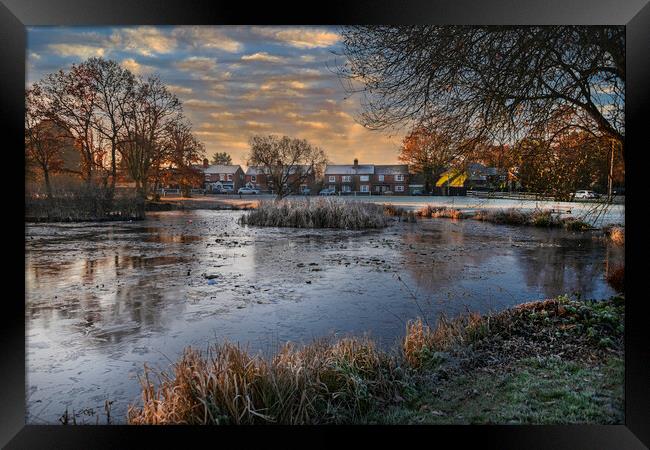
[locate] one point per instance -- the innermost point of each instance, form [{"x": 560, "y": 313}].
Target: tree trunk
[{"x": 48, "y": 186}]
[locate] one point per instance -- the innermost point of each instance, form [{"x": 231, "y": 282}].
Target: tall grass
[
  {"x": 421, "y": 341},
  {"x": 318, "y": 383},
  {"x": 316, "y": 213}
]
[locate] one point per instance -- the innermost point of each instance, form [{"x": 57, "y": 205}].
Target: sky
[{"x": 234, "y": 81}]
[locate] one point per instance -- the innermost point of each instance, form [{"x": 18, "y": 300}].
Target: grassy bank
[
  {"x": 537, "y": 218},
  {"x": 555, "y": 361},
  {"x": 316, "y": 213}
]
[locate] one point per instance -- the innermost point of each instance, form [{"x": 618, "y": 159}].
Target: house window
[
  {"x": 347, "y": 178},
  {"x": 399, "y": 188},
  {"x": 229, "y": 177},
  {"x": 253, "y": 178},
  {"x": 399, "y": 177},
  {"x": 332, "y": 187},
  {"x": 381, "y": 178},
  {"x": 332, "y": 178},
  {"x": 364, "y": 188},
  {"x": 364, "y": 178},
  {"x": 222, "y": 177},
  {"x": 346, "y": 188}
]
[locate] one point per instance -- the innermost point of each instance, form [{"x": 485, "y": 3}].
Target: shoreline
[{"x": 544, "y": 362}]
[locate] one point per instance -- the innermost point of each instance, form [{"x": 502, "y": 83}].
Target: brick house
[
  {"x": 367, "y": 178},
  {"x": 218, "y": 176},
  {"x": 258, "y": 177},
  {"x": 391, "y": 178}
]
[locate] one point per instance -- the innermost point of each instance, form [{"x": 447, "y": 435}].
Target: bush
[
  {"x": 616, "y": 234},
  {"x": 319, "y": 213}
]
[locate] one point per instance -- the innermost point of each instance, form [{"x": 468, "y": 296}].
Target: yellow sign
[{"x": 453, "y": 177}]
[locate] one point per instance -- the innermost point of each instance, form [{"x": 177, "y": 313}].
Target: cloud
[
  {"x": 179, "y": 89},
  {"x": 264, "y": 57},
  {"x": 135, "y": 67},
  {"x": 77, "y": 50},
  {"x": 197, "y": 63},
  {"x": 209, "y": 37},
  {"x": 299, "y": 37},
  {"x": 146, "y": 40}
]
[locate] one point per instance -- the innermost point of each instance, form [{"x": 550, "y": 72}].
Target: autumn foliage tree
[
  {"x": 559, "y": 167},
  {"x": 428, "y": 152}
]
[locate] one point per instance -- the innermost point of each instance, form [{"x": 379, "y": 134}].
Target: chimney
[
  {"x": 356, "y": 163},
  {"x": 206, "y": 163}
]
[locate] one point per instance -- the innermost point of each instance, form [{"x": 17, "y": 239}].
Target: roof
[
  {"x": 216, "y": 168},
  {"x": 349, "y": 169},
  {"x": 257, "y": 170},
  {"x": 395, "y": 169}
]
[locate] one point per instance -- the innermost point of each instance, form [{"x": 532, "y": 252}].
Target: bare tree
[
  {"x": 497, "y": 82},
  {"x": 147, "y": 123},
  {"x": 114, "y": 86},
  {"x": 69, "y": 100},
  {"x": 44, "y": 140},
  {"x": 287, "y": 162},
  {"x": 183, "y": 150}
]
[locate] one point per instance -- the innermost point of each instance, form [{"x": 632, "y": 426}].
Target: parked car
[
  {"x": 305, "y": 191},
  {"x": 248, "y": 190},
  {"x": 418, "y": 192},
  {"x": 586, "y": 194},
  {"x": 227, "y": 190},
  {"x": 327, "y": 191}
]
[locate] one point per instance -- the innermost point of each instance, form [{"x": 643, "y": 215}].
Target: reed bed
[
  {"x": 319, "y": 383},
  {"x": 318, "y": 213},
  {"x": 511, "y": 216},
  {"x": 436, "y": 212}
]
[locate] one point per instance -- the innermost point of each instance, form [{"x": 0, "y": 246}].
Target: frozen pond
[{"x": 104, "y": 299}]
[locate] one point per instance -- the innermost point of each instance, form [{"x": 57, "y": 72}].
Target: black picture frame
[{"x": 16, "y": 15}]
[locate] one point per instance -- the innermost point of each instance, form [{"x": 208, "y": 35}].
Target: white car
[
  {"x": 248, "y": 190},
  {"x": 585, "y": 194}
]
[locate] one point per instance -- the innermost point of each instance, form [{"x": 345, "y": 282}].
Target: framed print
[{"x": 396, "y": 218}]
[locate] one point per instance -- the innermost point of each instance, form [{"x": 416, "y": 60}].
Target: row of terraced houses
[{"x": 372, "y": 179}]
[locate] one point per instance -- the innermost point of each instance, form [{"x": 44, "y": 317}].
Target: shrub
[
  {"x": 319, "y": 213},
  {"x": 616, "y": 234}
]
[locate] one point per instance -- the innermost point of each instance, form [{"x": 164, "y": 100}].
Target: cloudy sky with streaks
[{"x": 234, "y": 81}]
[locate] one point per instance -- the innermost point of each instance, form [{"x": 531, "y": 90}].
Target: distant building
[
  {"x": 366, "y": 178},
  {"x": 258, "y": 177},
  {"x": 218, "y": 176}
]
